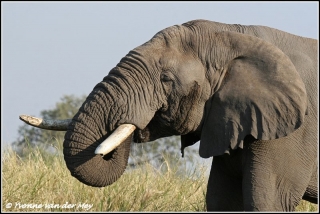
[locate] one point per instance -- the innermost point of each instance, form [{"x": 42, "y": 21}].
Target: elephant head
[{"x": 189, "y": 80}]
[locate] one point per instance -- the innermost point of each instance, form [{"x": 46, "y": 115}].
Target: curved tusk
[
  {"x": 57, "y": 125},
  {"x": 115, "y": 139}
]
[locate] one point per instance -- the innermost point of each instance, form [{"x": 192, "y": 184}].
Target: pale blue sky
[{"x": 52, "y": 49}]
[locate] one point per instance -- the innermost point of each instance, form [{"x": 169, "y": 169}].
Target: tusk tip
[
  {"x": 115, "y": 139},
  {"x": 30, "y": 120},
  {"x": 98, "y": 151},
  {"x": 23, "y": 117}
]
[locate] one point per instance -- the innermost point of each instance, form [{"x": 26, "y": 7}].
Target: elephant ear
[{"x": 261, "y": 94}]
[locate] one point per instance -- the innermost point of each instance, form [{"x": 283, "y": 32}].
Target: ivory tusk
[
  {"x": 115, "y": 139},
  {"x": 57, "y": 125}
]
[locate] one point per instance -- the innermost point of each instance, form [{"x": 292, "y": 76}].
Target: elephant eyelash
[
  {"x": 166, "y": 75},
  {"x": 165, "y": 78}
]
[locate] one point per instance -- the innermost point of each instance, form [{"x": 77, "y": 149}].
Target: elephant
[{"x": 248, "y": 94}]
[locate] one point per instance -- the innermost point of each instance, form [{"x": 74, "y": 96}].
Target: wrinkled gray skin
[{"x": 248, "y": 93}]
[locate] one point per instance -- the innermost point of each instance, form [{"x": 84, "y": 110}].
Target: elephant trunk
[
  {"x": 117, "y": 100},
  {"x": 94, "y": 123}
]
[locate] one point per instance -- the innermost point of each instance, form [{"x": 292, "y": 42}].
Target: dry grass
[{"x": 43, "y": 183}]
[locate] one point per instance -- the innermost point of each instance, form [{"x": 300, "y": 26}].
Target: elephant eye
[{"x": 165, "y": 77}]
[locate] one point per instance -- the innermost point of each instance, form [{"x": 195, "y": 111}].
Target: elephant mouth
[
  {"x": 153, "y": 131},
  {"x": 141, "y": 136}
]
